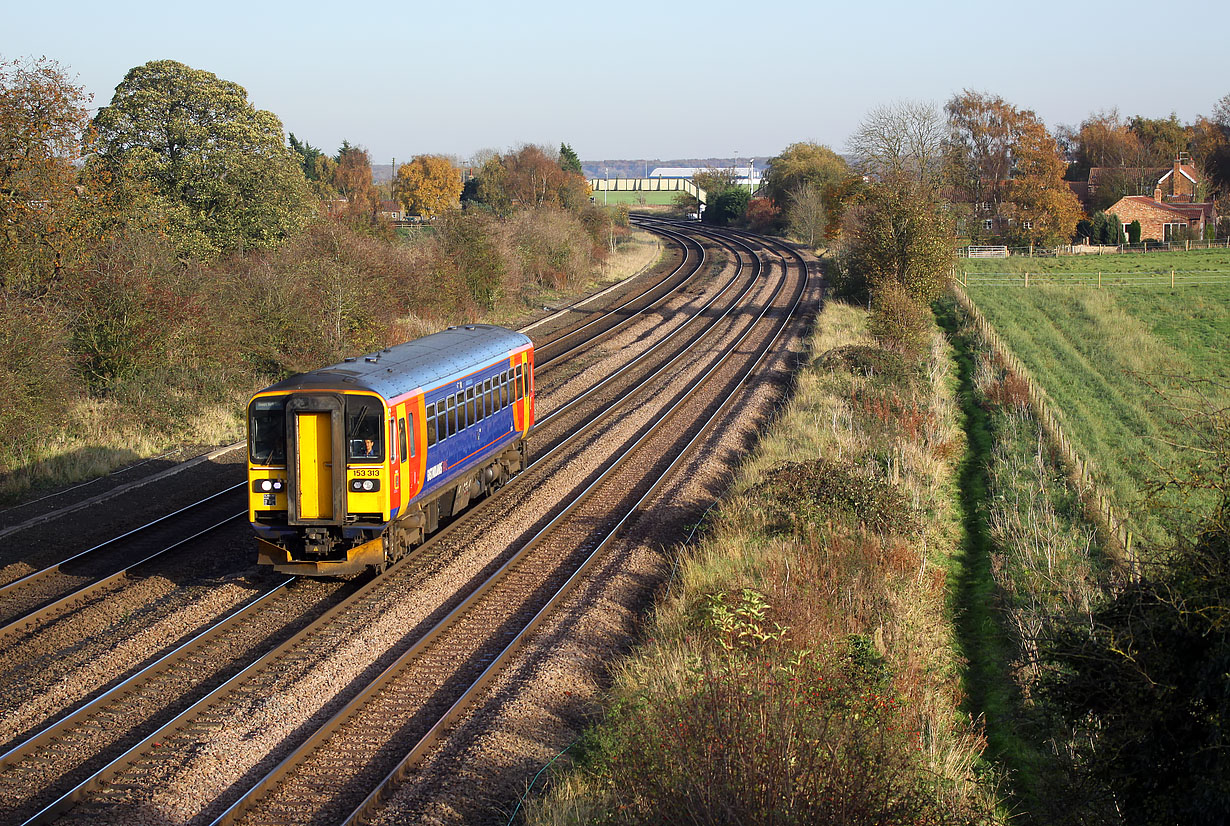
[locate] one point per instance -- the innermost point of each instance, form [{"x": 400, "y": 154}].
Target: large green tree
[
  {"x": 799, "y": 164},
  {"x": 219, "y": 167}
]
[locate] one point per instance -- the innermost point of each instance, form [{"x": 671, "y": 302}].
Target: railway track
[
  {"x": 196, "y": 726},
  {"x": 142, "y": 681}
]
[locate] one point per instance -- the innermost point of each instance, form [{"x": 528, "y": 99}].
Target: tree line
[{"x": 175, "y": 250}]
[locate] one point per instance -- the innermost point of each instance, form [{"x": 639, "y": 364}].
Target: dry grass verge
[{"x": 801, "y": 668}]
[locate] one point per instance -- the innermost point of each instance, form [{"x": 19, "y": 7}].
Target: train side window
[
  {"x": 452, "y": 415},
  {"x": 487, "y": 397},
  {"x": 519, "y": 385},
  {"x": 503, "y": 389},
  {"x": 470, "y": 406},
  {"x": 431, "y": 425},
  {"x": 401, "y": 439},
  {"x": 463, "y": 421},
  {"x": 480, "y": 407}
]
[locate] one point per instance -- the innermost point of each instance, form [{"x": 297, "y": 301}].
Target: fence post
[
  {"x": 1172, "y": 278},
  {"x": 1027, "y": 278},
  {"x": 1099, "y": 279}
]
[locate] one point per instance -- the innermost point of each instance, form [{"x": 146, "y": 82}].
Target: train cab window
[
  {"x": 267, "y": 431},
  {"x": 401, "y": 440},
  {"x": 364, "y": 434},
  {"x": 452, "y": 415},
  {"x": 431, "y": 425}
]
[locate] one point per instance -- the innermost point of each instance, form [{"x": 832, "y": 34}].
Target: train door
[
  {"x": 406, "y": 451},
  {"x": 316, "y": 464}
]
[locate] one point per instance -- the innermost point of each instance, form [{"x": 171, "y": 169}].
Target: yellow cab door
[{"x": 315, "y": 482}]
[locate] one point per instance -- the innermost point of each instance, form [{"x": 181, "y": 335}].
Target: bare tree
[
  {"x": 900, "y": 140},
  {"x": 805, "y": 212}
]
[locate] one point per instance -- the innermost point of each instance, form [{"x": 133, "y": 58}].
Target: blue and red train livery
[{"x": 351, "y": 465}]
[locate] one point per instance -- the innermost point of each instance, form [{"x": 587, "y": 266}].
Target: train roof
[{"x": 425, "y": 362}]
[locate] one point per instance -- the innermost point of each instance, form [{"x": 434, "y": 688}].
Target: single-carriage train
[{"x": 352, "y": 465}]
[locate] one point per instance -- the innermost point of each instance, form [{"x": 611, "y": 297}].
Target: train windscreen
[
  {"x": 267, "y": 431},
  {"x": 364, "y": 434}
]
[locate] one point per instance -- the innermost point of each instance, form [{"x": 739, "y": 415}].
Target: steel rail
[
  {"x": 98, "y": 585},
  {"x": 31, "y": 578},
  {"x": 624, "y": 310},
  {"x": 57, "y": 728},
  {"x": 356, "y": 703}
]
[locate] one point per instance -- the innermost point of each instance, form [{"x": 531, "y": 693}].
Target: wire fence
[
  {"x": 1155, "y": 278},
  {"x": 993, "y": 251},
  {"x": 1098, "y": 502}
]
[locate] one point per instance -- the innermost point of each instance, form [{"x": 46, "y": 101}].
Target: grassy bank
[
  {"x": 1123, "y": 367},
  {"x": 1034, "y": 565},
  {"x": 803, "y": 666}
]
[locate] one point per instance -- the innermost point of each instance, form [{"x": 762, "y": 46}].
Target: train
[{"x": 352, "y": 465}]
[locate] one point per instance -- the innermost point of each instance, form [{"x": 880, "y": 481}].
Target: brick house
[
  {"x": 1160, "y": 220},
  {"x": 1179, "y": 183}
]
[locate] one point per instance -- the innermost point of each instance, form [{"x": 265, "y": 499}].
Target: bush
[
  {"x": 37, "y": 383},
  {"x": 899, "y": 321},
  {"x": 801, "y": 493},
  {"x": 1133, "y": 232},
  {"x": 746, "y": 741}
]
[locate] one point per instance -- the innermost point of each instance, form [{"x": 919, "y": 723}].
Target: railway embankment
[{"x": 803, "y": 658}]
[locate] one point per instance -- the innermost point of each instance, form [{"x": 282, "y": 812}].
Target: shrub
[
  {"x": 37, "y": 383},
  {"x": 745, "y": 741},
  {"x": 899, "y": 321},
  {"x": 800, "y": 493}
]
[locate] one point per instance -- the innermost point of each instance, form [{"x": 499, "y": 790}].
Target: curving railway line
[{"x": 237, "y": 721}]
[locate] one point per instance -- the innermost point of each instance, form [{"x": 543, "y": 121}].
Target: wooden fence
[{"x": 1114, "y": 520}]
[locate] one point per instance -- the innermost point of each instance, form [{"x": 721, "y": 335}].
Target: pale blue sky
[{"x": 638, "y": 78}]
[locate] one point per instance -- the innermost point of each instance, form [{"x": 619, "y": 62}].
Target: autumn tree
[
  {"x": 983, "y": 130},
  {"x": 1161, "y": 139},
  {"x": 219, "y": 167},
  {"x": 904, "y": 139},
  {"x": 1040, "y": 203},
  {"x": 43, "y": 120},
  {"x": 802, "y": 163},
  {"x": 318, "y": 168},
  {"x": 352, "y": 178},
  {"x": 529, "y": 177},
  {"x": 715, "y": 180},
  {"x": 428, "y": 185}
]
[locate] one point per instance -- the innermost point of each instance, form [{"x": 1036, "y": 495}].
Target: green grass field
[
  {"x": 1122, "y": 364},
  {"x": 636, "y": 198}
]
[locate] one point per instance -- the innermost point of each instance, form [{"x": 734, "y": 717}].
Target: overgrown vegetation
[
  {"x": 194, "y": 257},
  {"x": 802, "y": 669}
]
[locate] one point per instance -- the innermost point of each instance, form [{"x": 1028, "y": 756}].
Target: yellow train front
[{"x": 352, "y": 465}]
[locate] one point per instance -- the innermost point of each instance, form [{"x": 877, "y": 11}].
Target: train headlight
[
  {"x": 367, "y": 484},
  {"x": 364, "y": 485},
  {"x": 269, "y": 486}
]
